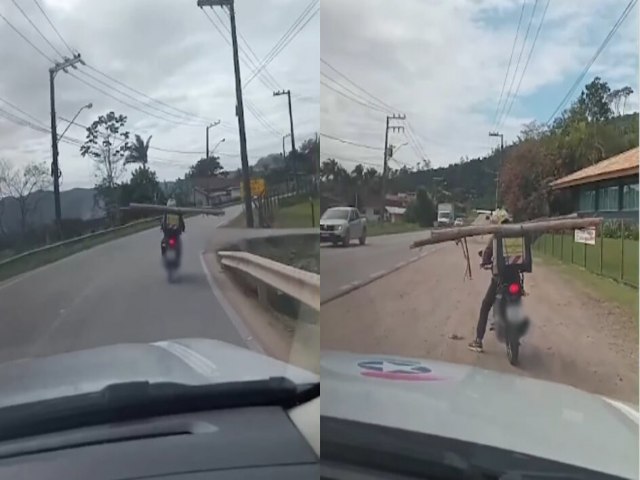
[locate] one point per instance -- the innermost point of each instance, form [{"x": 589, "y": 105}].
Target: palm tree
[{"x": 139, "y": 152}]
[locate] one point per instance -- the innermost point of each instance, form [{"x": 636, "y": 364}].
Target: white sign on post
[{"x": 585, "y": 235}]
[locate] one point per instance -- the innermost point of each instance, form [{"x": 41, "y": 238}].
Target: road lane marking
[
  {"x": 229, "y": 310},
  {"x": 346, "y": 289}
]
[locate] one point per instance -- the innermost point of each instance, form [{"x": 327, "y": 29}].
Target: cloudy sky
[
  {"x": 170, "y": 51},
  {"x": 443, "y": 64}
]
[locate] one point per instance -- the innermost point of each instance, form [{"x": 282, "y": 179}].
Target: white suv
[{"x": 341, "y": 225}]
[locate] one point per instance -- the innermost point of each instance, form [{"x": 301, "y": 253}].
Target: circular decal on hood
[{"x": 397, "y": 370}]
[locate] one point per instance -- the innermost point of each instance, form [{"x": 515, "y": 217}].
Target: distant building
[
  {"x": 608, "y": 188},
  {"x": 395, "y": 214},
  {"x": 209, "y": 191}
]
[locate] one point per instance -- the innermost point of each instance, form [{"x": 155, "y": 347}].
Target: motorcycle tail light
[
  {"x": 172, "y": 242},
  {"x": 514, "y": 289}
]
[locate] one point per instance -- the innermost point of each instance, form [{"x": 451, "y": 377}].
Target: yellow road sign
[{"x": 258, "y": 187}]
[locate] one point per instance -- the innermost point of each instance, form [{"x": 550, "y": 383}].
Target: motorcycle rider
[
  {"x": 172, "y": 223},
  {"x": 499, "y": 217}
]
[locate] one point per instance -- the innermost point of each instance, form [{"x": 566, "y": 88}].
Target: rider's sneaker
[{"x": 476, "y": 345}]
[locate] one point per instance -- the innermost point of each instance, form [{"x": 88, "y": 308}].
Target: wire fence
[
  {"x": 266, "y": 206},
  {"x": 614, "y": 255}
]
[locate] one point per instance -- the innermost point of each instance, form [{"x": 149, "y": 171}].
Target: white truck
[{"x": 446, "y": 215}]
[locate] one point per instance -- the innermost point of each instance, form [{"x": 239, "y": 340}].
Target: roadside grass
[
  {"x": 298, "y": 215},
  {"x": 386, "y": 228},
  {"x": 290, "y": 215},
  {"x": 613, "y": 258},
  {"x": 601, "y": 287},
  {"x": 45, "y": 257}
]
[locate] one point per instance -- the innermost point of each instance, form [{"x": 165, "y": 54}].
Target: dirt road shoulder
[{"x": 428, "y": 310}]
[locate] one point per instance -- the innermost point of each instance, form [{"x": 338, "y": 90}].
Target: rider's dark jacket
[{"x": 487, "y": 254}]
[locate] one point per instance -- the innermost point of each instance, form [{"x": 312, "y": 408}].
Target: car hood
[
  {"x": 191, "y": 361},
  {"x": 521, "y": 414},
  {"x": 332, "y": 221}
]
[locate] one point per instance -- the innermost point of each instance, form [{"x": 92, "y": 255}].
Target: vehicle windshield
[
  {"x": 455, "y": 118},
  {"x": 336, "y": 214},
  {"x": 122, "y": 244}
]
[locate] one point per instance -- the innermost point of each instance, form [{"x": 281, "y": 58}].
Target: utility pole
[
  {"x": 293, "y": 139},
  {"x": 388, "y": 154},
  {"x": 246, "y": 180},
  {"x": 208, "y": 127},
  {"x": 501, "y": 161},
  {"x": 55, "y": 169}
]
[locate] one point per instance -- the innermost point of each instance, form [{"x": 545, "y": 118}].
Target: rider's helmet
[
  {"x": 171, "y": 202},
  {"x": 500, "y": 216}
]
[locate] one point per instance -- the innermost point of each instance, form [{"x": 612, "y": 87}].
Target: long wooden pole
[
  {"x": 509, "y": 230},
  {"x": 178, "y": 210}
]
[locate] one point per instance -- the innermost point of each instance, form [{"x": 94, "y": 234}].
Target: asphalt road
[
  {"x": 116, "y": 292},
  {"x": 340, "y": 267}
]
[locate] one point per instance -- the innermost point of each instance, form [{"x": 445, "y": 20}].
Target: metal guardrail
[
  {"x": 72, "y": 241},
  {"x": 81, "y": 238},
  {"x": 302, "y": 285}
]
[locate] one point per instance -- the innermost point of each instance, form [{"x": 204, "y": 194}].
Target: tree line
[{"x": 594, "y": 127}]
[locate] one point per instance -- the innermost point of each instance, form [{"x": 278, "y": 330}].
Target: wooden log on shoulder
[
  {"x": 177, "y": 210},
  {"x": 508, "y": 230}
]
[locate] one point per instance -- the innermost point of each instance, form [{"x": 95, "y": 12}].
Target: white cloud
[
  {"x": 168, "y": 50},
  {"x": 443, "y": 64}
]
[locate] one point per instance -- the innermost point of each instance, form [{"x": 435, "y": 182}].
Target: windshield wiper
[{"x": 136, "y": 400}]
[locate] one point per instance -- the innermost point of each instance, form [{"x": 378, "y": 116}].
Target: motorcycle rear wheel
[{"x": 513, "y": 348}]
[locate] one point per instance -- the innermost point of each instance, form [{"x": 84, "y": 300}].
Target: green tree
[
  {"x": 143, "y": 188},
  {"x": 593, "y": 101},
  {"x": 107, "y": 144},
  {"x": 138, "y": 151},
  {"x": 206, "y": 167},
  {"x": 423, "y": 209}
]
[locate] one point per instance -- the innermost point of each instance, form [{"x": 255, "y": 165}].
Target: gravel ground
[{"x": 428, "y": 310}]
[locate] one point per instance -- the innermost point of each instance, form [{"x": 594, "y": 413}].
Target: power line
[
  {"x": 278, "y": 43},
  {"x": 51, "y": 60},
  {"x": 515, "y": 72},
  {"x": 268, "y": 81},
  {"x": 526, "y": 64},
  {"x": 363, "y": 100},
  {"x": 252, "y": 108},
  {"x": 513, "y": 48},
  {"x": 382, "y": 103},
  {"x": 36, "y": 28},
  {"x": 146, "y": 105},
  {"x": 341, "y": 140},
  {"x": 151, "y": 147},
  {"x": 286, "y": 38},
  {"x": 25, "y": 123},
  {"x": 242, "y": 55},
  {"x": 115, "y": 80},
  {"x": 351, "y": 98},
  {"x": 22, "y": 111},
  {"x": 602, "y": 46},
  {"x": 54, "y": 28},
  {"x": 98, "y": 89}
]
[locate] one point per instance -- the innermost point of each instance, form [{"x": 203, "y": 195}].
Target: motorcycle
[
  {"x": 171, "y": 253},
  {"x": 510, "y": 322}
]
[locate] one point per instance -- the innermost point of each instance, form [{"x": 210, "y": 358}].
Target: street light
[
  {"x": 87, "y": 106},
  {"x": 498, "y": 134},
  {"x": 216, "y": 146},
  {"x": 284, "y": 137},
  {"x": 208, "y": 127}
]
